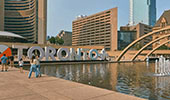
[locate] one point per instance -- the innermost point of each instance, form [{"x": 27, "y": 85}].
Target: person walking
[
  {"x": 21, "y": 63},
  {"x": 11, "y": 59},
  {"x": 4, "y": 60},
  {"x": 33, "y": 67},
  {"x": 38, "y": 65},
  {"x": 0, "y": 60}
]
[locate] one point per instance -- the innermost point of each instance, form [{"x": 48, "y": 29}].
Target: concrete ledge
[
  {"x": 16, "y": 86},
  {"x": 66, "y": 62}
]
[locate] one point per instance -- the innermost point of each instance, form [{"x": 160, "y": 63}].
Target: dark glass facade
[{"x": 125, "y": 38}]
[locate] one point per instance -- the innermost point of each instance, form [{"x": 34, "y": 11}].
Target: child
[{"x": 21, "y": 65}]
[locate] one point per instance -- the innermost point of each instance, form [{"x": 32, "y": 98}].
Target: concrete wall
[
  {"x": 143, "y": 29},
  {"x": 66, "y": 36},
  {"x": 67, "y": 39},
  {"x": 42, "y": 21},
  {"x": 1, "y": 15},
  {"x": 114, "y": 34}
]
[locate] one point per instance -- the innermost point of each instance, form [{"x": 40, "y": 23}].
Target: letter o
[
  {"x": 59, "y": 54},
  {"x": 91, "y": 54},
  {"x": 30, "y": 52}
]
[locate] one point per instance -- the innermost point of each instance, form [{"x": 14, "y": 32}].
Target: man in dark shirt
[{"x": 11, "y": 59}]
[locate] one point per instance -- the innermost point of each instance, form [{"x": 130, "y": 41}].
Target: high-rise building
[
  {"x": 97, "y": 29},
  {"x": 142, "y": 11},
  {"x": 26, "y": 18}
]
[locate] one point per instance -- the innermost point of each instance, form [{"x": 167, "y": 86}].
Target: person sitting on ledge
[{"x": 33, "y": 67}]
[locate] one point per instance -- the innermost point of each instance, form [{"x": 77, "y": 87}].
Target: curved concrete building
[{"x": 26, "y": 18}]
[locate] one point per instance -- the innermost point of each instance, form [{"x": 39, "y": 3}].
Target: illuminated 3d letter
[
  {"x": 84, "y": 53},
  {"x": 59, "y": 54},
  {"x": 30, "y": 52},
  {"x": 103, "y": 54},
  {"x": 50, "y": 54},
  {"x": 20, "y": 50},
  {"x": 91, "y": 54},
  {"x": 74, "y": 55}
]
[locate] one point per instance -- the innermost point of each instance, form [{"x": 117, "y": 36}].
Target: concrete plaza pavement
[{"x": 16, "y": 86}]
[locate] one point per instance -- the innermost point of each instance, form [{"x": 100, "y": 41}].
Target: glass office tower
[{"x": 142, "y": 11}]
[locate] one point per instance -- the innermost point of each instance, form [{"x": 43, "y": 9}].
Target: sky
[{"x": 61, "y": 13}]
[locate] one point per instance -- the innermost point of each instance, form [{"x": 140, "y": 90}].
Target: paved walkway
[{"x": 16, "y": 86}]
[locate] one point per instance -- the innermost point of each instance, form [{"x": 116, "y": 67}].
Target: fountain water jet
[{"x": 162, "y": 67}]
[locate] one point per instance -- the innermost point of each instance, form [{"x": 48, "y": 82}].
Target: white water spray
[{"x": 162, "y": 67}]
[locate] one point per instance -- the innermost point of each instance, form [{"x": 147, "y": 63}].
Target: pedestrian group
[{"x": 35, "y": 64}]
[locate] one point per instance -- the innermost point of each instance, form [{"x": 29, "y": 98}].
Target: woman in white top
[
  {"x": 21, "y": 65},
  {"x": 33, "y": 67}
]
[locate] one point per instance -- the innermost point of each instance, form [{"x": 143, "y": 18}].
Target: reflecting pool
[{"x": 129, "y": 78}]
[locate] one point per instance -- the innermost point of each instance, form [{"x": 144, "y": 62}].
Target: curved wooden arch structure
[
  {"x": 155, "y": 49},
  {"x": 139, "y": 39},
  {"x": 134, "y": 57}
]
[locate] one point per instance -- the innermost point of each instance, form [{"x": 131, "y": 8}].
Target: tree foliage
[
  {"x": 59, "y": 41},
  {"x": 137, "y": 46},
  {"x": 56, "y": 40},
  {"x": 52, "y": 40},
  {"x": 164, "y": 47}
]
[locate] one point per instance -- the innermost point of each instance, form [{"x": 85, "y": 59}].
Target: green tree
[
  {"x": 52, "y": 40},
  {"x": 137, "y": 46},
  {"x": 164, "y": 47},
  {"x": 59, "y": 41}
]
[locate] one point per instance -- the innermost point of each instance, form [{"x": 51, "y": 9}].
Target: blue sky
[{"x": 61, "y": 13}]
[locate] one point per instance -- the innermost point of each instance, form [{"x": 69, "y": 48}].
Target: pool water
[{"x": 129, "y": 78}]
